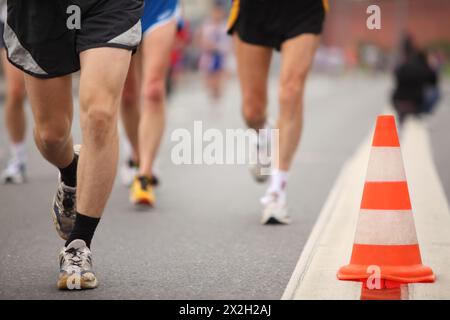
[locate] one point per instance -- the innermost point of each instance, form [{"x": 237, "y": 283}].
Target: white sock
[
  {"x": 19, "y": 152},
  {"x": 278, "y": 181}
]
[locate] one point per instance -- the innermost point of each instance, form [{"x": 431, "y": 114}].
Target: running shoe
[
  {"x": 260, "y": 159},
  {"x": 155, "y": 181},
  {"x": 64, "y": 206},
  {"x": 128, "y": 172},
  {"x": 14, "y": 172},
  {"x": 275, "y": 209},
  {"x": 141, "y": 193},
  {"x": 75, "y": 263}
]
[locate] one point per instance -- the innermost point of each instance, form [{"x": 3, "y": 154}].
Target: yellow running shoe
[{"x": 141, "y": 193}]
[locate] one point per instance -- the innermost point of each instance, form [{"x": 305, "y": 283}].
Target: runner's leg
[
  {"x": 15, "y": 96},
  {"x": 253, "y": 70},
  {"x": 15, "y": 171},
  {"x": 99, "y": 106},
  {"x": 130, "y": 111},
  {"x": 297, "y": 56},
  {"x": 156, "y": 49}
]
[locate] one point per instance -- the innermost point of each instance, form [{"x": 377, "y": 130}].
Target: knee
[
  {"x": 254, "y": 108},
  {"x": 99, "y": 124},
  {"x": 98, "y": 118},
  {"x": 52, "y": 136},
  {"x": 154, "y": 91},
  {"x": 291, "y": 92}
]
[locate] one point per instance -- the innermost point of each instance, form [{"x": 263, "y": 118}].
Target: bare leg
[
  {"x": 51, "y": 102},
  {"x": 253, "y": 70},
  {"x": 214, "y": 83},
  {"x": 297, "y": 57},
  {"x": 156, "y": 51},
  {"x": 15, "y": 95},
  {"x": 101, "y": 85},
  {"x": 130, "y": 110}
]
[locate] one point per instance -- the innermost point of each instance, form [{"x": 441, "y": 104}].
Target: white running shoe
[
  {"x": 75, "y": 263},
  {"x": 14, "y": 172},
  {"x": 128, "y": 172},
  {"x": 275, "y": 209},
  {"x": 260, "y": 158}
]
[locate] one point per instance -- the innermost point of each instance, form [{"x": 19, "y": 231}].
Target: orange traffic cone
[{"x": 385, "y": 238}]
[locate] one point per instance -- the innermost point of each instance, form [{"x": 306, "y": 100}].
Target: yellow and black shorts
[{"x": 271, "y": 22}]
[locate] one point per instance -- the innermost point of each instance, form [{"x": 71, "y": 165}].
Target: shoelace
[{"x": 76, "y": 259}]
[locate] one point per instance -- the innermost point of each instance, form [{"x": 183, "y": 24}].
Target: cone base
[{"x": 401, "y": 274}]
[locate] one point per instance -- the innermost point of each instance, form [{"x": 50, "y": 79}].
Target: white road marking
[
  {"x": 431, "y": 212},
  {"x": 330, "y": 243}
]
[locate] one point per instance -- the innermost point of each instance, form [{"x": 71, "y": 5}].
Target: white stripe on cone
[
  {"x": 386, "y": 227},
  {"x": 385, "y": 165}
]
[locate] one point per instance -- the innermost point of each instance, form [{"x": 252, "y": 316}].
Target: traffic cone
[{"x": 385, "y": 238}]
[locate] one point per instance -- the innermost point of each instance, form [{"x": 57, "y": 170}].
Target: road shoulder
[{"x": 329, "y": 246}]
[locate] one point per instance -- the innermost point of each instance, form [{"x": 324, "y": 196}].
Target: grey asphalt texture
[{"x": 203, "y": 240}]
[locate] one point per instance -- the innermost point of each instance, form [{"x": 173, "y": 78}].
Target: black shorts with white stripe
[{"x": 44, "y": 37}]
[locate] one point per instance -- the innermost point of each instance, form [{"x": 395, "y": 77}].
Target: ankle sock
[
  {"x": 278, "y": 181},
  {"x": 18, "y": 151},
  {"x": 84, "y": 229}
]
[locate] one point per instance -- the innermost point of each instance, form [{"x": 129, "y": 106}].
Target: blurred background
[{"x": 347, "y": 43}]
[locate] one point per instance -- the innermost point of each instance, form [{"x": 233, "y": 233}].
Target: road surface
[{"x": 203, "y": 240}]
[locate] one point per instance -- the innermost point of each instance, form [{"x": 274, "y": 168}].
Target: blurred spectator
[
  {"x": 177, "y": 57},
  {"x": 215, "y": 45},
  {"x": 416, "y": 91}
]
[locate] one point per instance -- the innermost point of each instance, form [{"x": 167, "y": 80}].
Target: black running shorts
[
  {"x": 43, "y": 37},
  {"x": 271, "y": 22}
]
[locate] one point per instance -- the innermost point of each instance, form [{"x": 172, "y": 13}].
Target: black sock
[
  {"x": 132, "y": 163},
  {"x": 69, "y": 173},
  {"x": 84, "y": 229}
]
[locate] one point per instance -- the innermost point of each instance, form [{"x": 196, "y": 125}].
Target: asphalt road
[{"x": 203, "y": 240}]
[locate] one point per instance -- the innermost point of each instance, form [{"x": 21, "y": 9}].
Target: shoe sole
[
  {"x": 84, "y": 285},
  {"x": 61, "y": 234},
  {"x": 142, "y": 204},
  {"x": 76, "y": 149},
  {"x": 275, "y": 221},
  {"x": 12, "y": 181}
]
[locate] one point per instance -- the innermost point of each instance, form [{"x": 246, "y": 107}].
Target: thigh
[
  {"x": 253, "y": 67},
  {"x": 51, "y": 101},
  {"x": 156, "y": 49},
  {"x": 100, "y": 80},
  {"x": 297, "y": 55}
]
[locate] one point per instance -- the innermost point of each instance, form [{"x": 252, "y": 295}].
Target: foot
[
  {"x": 64, "y": 206},
  {"x": 75, "y": 262},
  {"x": 275, "y": 209},
  {"x": 14, "y": 172},
  {"x": 141, "y": 193},
  {"x": 128, "y": 172},
  {"x": 260, "y": 159}
]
